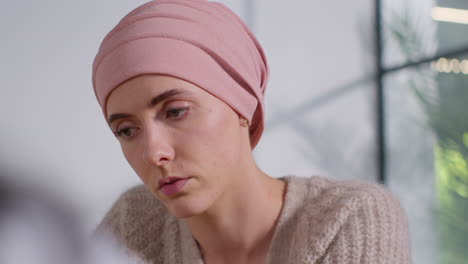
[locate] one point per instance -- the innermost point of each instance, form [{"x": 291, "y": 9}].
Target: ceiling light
[{"x": 452, "y": 15}]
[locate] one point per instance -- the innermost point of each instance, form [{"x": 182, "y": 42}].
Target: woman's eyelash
[
  {"x": 123, "y": 132},
  {"x": 176, "y": 112}
]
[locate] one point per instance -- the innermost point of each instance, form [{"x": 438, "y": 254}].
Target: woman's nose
[{"x": 157, "y": 148}]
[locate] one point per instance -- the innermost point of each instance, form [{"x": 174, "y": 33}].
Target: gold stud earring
[{"x": 244, "y": 122}]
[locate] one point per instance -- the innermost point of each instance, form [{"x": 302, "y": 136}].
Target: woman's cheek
[{"x": 133, "y": 157}]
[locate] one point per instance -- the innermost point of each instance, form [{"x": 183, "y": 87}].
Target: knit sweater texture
[{"x": 322, "y": 221}]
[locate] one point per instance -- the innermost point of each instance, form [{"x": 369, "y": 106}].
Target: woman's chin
[{"x": 184, "y": 208}]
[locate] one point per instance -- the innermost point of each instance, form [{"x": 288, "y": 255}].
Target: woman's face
[{"x": 185, "y": 144}]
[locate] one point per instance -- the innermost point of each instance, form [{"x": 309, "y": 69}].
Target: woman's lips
[{"x": 172, "y": 185}]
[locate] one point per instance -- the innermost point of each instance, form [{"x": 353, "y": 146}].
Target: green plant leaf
[{"x": 465, "y": 139}]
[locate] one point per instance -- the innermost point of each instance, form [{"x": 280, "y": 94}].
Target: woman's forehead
[{"x": 150, "y": 90}]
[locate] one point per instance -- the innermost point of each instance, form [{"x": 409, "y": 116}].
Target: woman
[{"x": 181, "y": 85}]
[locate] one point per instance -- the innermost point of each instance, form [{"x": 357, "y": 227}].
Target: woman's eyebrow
[
  {"x": 114, "y": 117},
  {"x": 153, "y": 102},
  {"x": 163, "y": 96}
]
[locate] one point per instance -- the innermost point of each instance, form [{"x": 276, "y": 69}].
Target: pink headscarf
[{"x": 198, "y": 41}]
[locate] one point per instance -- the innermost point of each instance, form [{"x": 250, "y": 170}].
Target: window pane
[
  {"x": 416, "y": 29},
  {"x": 409, "y": 33},
  {"x": 427, "y": 132},
  {"x": 451, "y": 17}
]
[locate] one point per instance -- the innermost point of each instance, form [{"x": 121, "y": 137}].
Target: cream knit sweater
[{"x": 322, "y": 221}]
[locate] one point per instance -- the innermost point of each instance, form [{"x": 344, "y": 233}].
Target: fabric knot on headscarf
[{"x": 198, "y": 41}]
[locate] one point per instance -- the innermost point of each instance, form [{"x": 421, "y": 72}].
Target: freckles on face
[
  {"x": 216, "y": 137},
  {"x": 148, "y": 174},
  {"x": 186, "y": 133}
]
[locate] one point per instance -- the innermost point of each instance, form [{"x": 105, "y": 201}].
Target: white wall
[
  {"x": 53, "y": 128},
  {"x": 320, "y": 101},
  {"x": 51, "y": 122}
]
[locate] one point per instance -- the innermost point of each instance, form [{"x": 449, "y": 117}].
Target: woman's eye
[
  {"x": 125, "y": 132},
  {"x": 176, "y": 113}
]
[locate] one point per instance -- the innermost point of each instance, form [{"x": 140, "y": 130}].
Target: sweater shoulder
[
  {"x": 336, "y": 192},
  {"x": 335, "y": 212},
  {"x": 352, "y": 196}
]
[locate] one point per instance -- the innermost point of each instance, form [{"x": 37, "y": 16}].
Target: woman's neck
[{"x": 241, "y": 224}]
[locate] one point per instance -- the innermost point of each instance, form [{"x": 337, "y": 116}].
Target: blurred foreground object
[{"x": 36, "y": 229}]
